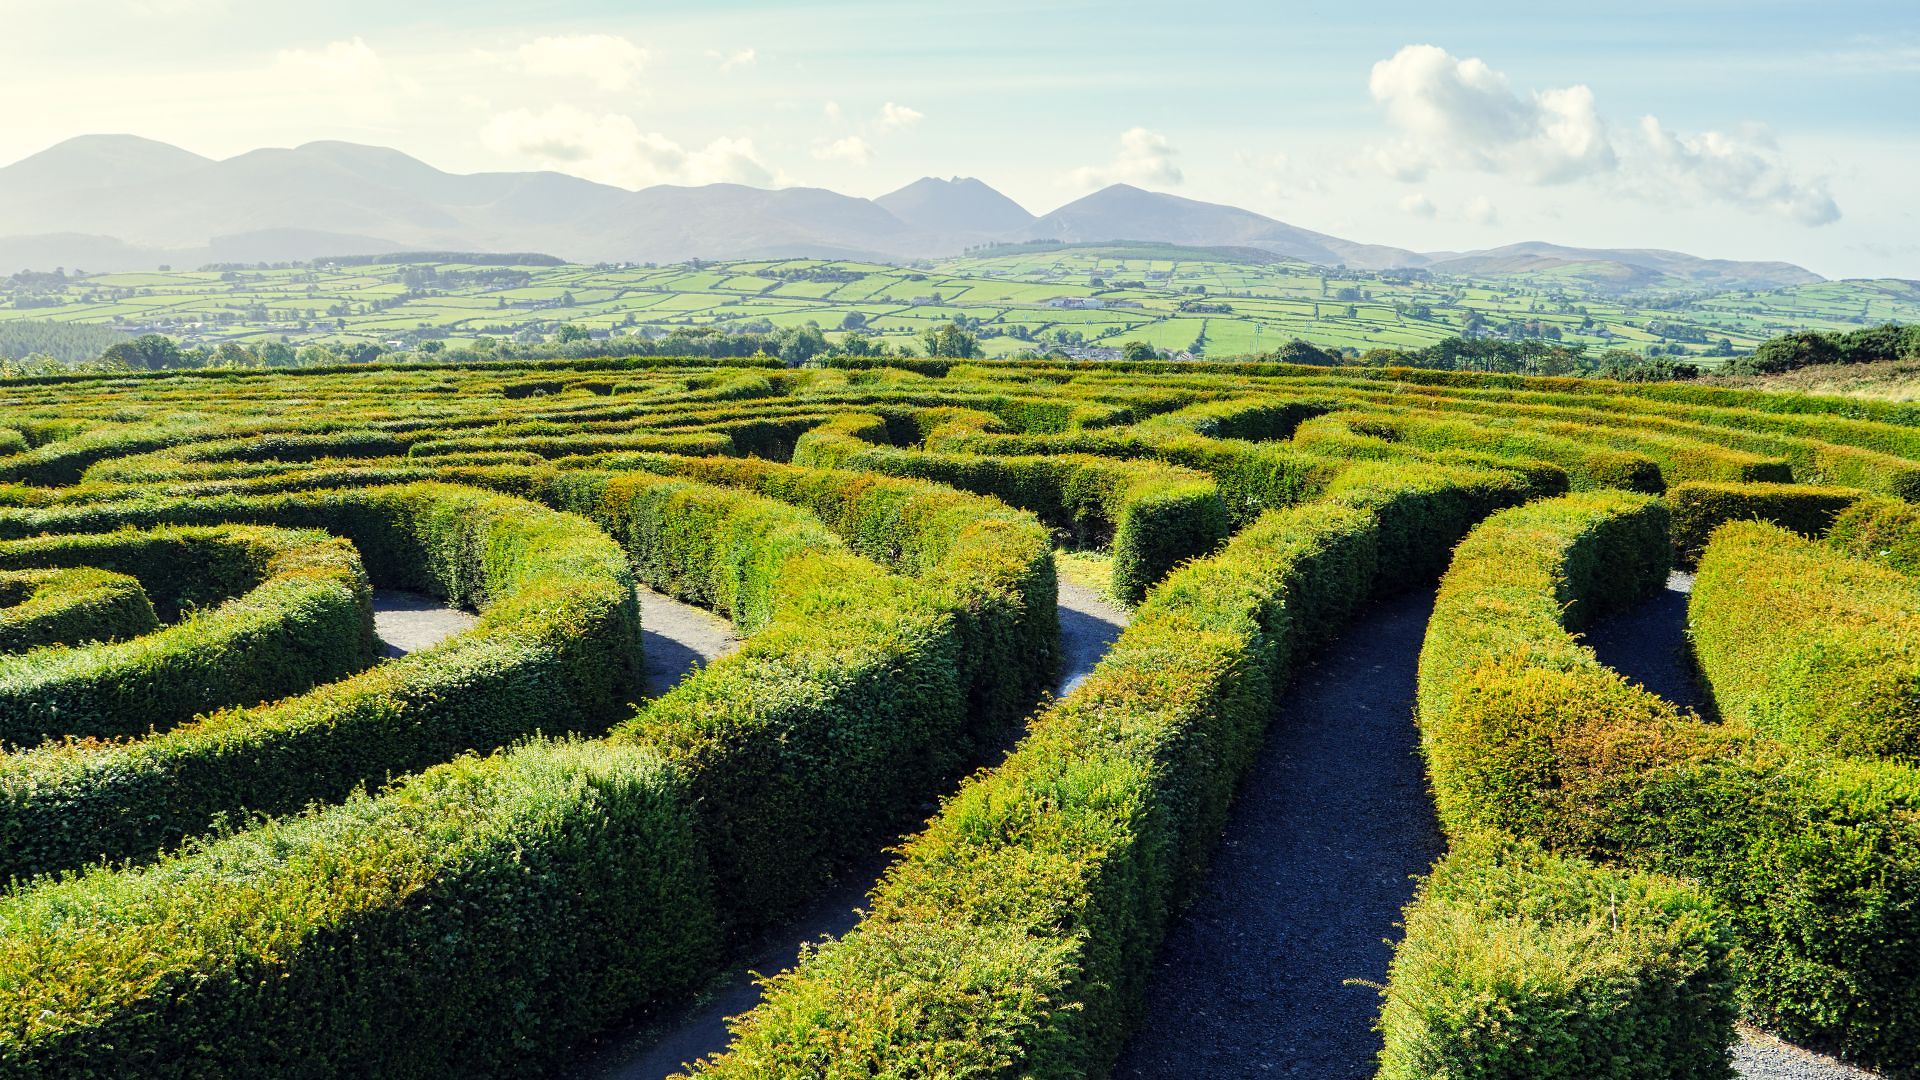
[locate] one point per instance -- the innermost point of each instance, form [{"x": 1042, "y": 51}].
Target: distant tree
[
  {"x": 1303, "y": 352},
  {"x": 951, "y": 341},
  {"x": 853, "y": 320},
  {"x": 277, "y": 354},
  {"x": 569, "y": 333},
  {"x": 1138, "y": 350},
  {"x": 149, "y": 351},
  {"x": 801, "y": 344},
  {"x": 1802, "y": 348}
]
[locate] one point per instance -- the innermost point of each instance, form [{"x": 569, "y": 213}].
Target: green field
[{"x": 1198, "y": 301}]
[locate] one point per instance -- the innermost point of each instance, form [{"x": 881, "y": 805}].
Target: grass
[{"x": 1006, "y": 293}]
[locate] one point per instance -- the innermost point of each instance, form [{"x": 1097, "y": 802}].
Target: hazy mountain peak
[
  {"x": 98, "y": 161},
  {"x": 961, "y": 205}
]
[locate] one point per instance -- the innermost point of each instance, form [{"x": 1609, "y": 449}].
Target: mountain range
[{"x": 114, "y": 202}]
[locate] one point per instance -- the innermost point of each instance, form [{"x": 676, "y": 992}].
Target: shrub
[
  {"x": 556, "y": 649},
  {"x": 1521, "y": 965},
  {"x": 305, "y": 617},
  {"x": 71, "y": 605},
  {"x": 1816, "y": 862},
  {"x": 1807, "y": 644},
  {"x": 1884, "y": 530},
  {"x": 1698, "y": 508}
]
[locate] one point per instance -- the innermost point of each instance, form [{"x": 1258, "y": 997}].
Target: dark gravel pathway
[
  {"x": 407, "y": 622},
  {"x": 1309, "y": 879},
  {"x": 1089, "y": 625},
  {"x": 678, "y": 639},
  {"x": 1649, "y": 646},
  {"x": 662, "y": 1046}
]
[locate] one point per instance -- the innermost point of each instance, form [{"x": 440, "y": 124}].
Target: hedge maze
[{"x": 240, "y": 843}]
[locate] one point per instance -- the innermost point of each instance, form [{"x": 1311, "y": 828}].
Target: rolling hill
[{"x": 115, "y": 202}]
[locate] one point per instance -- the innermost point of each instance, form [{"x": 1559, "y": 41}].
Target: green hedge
[
  {"x": 1807, "y": 644},
  {"x": 1815, "y": 861},
  {"x": 305, "y": 618},
  {"x": 464, "y": 924},
  {"x": 1520, "y": 965},
  {"x": 1698, "y": 508},
  {"x": 459, "y": 903},
  {"x": 1050, "y": 880},
  {"x": 1588, "y": 467},
  {"x": 1155, "y": 516},
  {"x": 556, "y": 649},
  {"x": 68, "y": 606},
  {"x": 1881, "y": 529}
]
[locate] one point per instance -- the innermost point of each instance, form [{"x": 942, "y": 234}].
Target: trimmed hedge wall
[
  {"x": 306, "y": 617},
  {"x": 1884, "y": 530},
  {"x": 1698, "y": 508},
  {"x": 1051, "y": 879},
  {"x": 1154, "y": 515},
  {"x": 482, "y": 912},
  {"x": 1521, "y": 965},
  {"x": 556, "y": 649},
  {"x": 71, "y": 605},
  {"x": 1816, "y": 862},
  {"x": 282, "y": 948},
  {"x": 1807, "y": 644}
]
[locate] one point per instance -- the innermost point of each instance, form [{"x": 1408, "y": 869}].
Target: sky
[{"x": 1752, "y": 130}]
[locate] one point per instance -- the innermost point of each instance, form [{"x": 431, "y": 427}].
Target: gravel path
[
  {"x": 1649, "y": 646},
  {"x": 678, "y": 639},
  {"x": 1088, "y": 626},
  {"x": 407, "y": 622},
  {"x": 1309, "y": 879}
]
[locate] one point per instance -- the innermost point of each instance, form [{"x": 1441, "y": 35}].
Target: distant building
[{"x": 1077, "y": 303}]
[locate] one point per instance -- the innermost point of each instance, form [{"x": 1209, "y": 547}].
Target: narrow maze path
[
  {"x": 678, "y": 639},
  {"x": 407, "y": 622},
  {"x": 1307, "y": 883},
  {"x": 1089, "y": 624},
  {"x": 1649, "y": 646}
]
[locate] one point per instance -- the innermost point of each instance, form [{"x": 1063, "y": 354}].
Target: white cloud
[
  {"x": 894, "y": 116},
  {"x": 831, "y": 110},
  {"x": 1481, "y": 211},
  {"x": 609, "y": 62},
  {"x": 738, "y": 58},
  {"x": 1462, "y": 113},
  {"x": 1419, "y": 205},
  {"x": 611, "y": 149},
  {"x": 351, "y": 73},
  {"x": 1144, "y": 157},
  {"x": 1743, "y": 170},
  {"x": 852, "y": 149}
]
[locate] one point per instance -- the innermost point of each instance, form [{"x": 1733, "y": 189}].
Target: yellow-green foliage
[
  {"x": 1884, "y": 530},
  {"x": 1808, "y": 644},
  {"x": 1815, "y": 861},
  {"x": 71, "y": 605},
  {"x": 1520, "y": 965},
  {"x": 284, "y": 611},
  {"x": 1698, "y": 508}
]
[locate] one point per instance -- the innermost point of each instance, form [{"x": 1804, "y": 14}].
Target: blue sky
[{"x": 1750, "y": 130}]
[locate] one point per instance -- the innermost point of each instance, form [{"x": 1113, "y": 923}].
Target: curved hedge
[
  {"x": 1517, "y": 964},
  {"x": 1816, "y": 862},
  {"x": 1807, "y": 644},
  {"x": 305, "y": 617},
  {"x": 556, "y": 649},
  {"x": 1698, "y": 508},
  {"x": 1154, "y": 515},
  {"x": 1017, "y": 932},
  {"x": 70, "y": 605},
  {"x": 634, "y": 855}
]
